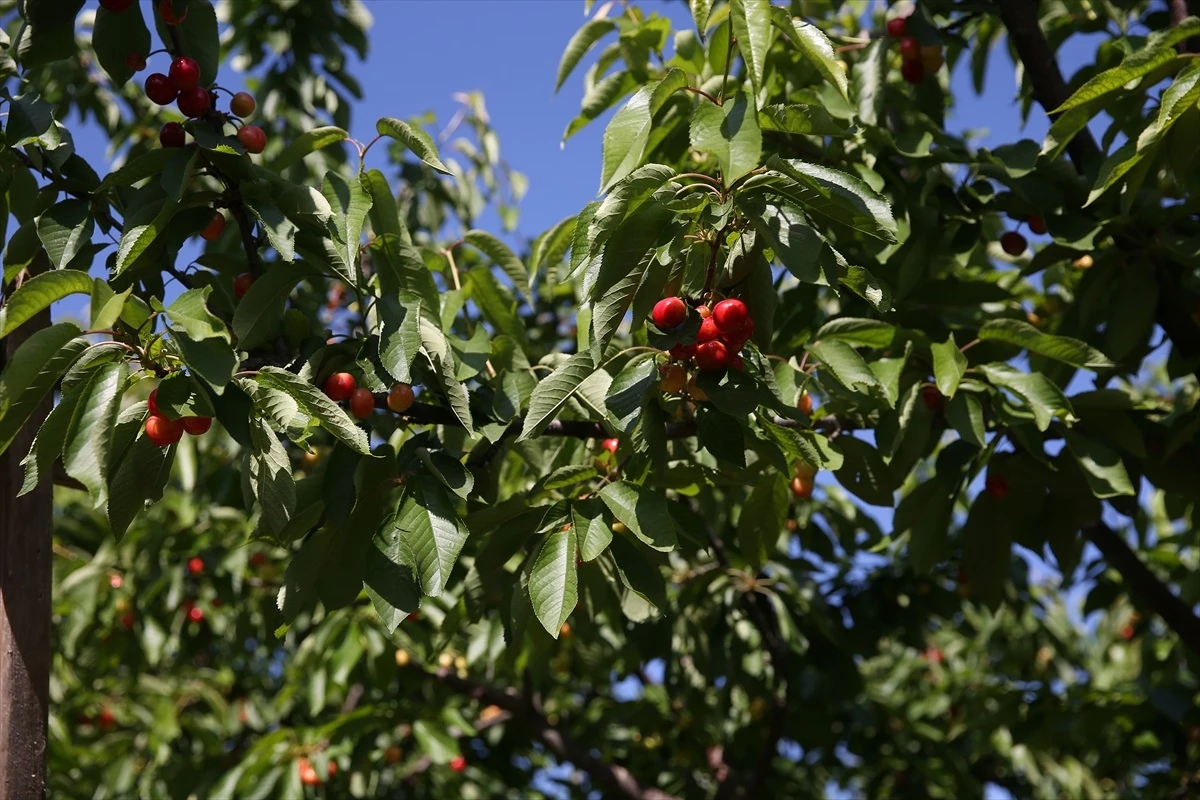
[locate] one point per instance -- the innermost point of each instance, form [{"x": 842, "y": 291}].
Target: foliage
[{"x": 1001, "y": 397}]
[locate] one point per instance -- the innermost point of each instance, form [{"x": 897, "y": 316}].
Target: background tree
[{"x": 611, "y": 499}]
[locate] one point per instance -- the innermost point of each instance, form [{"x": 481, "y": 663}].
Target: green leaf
[
  {"x": 949, "y": 364},
  {"x": 553, "y": 583},
  {"x": 449, "y": 471},
  {"x": 762, "y": 518},
  {"x": 189, "y": 313},
  {"x": 502, "y": 256},
  {"x": 864, "y": 473},
  {"x": 591, "y": 528},
  {"x": 836, "y": 195},
  {"x": 90, "y": 432},
  {"x": 107, "y": 306},
  {"x": 870, "y": 81},
  {"x": 751, "y": 20},
  {"x": 625, "y": 139},
  {"x": 350, "y": 204},
  {"x": 179, "y": 395},
  {"x": 431, "y": 534},
  {"x": 1135, "y": 65},
  {"x": 117, "y": 35},
  {"x": 399, "y": 334},
  {"x": 814, "y": 44},
  {"x": 258, "y": 314},
  {"x": 384, "y": 214},
  {"x": 584, "y": 40},
  {"x": 1061, "y": 348},
  {"x": 797, "y": 246},
  {"x": 550, "y": 247},
  {"x": 845, "y": 364},
  {"x": 730, "y": 132},
  {"x": 48, "y": 443},
  {"x": 552, "y": 393},
  {"x": 391, "y": 582},
  {"x": 314, "y": 402},
  {"x": 32, "y": 372},
  {"x": 965, "y": 415},
  {"x": 65, "y": 229},
  {"x": 435, "y": 742},
  {"x": 638, "y": 574},
  {"x": 30, "y": 121},
  {"x": 38, "y": 293},
  {"x": 441, "y": 357},
  {"x": 49, "y": 34},
  {"x": 862, "y": 332},
  {"x": 1045, "y": 399},
  {"x": 925, "y": 515},
  {"x": 1103, "y": 468},
  {"x": 644, "y": 511},
  {"x": 307, "y": 143},
  {"x": 270, "y": 479},
  {"x": 415, "y": 139},
  {"x": 701, "y": 9},
  {"x": 198, "y": 35},
  {"x": 141, "y": 231},
  {"x": 139, "y": 476}
]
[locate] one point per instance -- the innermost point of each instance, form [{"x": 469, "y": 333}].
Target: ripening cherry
[
  {"x": 332, "y": 769},
  {"x": 802, "y": 487},
  {"x": 184, "y": 73},
  {"x": 339, "y": 386},
  {"x": 214, "y": 229},
  {"x": 195, "y": 565},
  {"x": 242, "y": 284},
  {"x": 458, "y": 763},
  {"x": 106, "y": 718},
  {"x": 932, "y": 58},
  {"x": 400, "y": 398},
  {"x": 194, "y": 102},
  {"x": 683, "y": 352},
  {"x": 712, "y": 356},
  {"x": 172, "y": 135},
  {"x": 610, "y": 445},
  {"x": 910, "y": 48},
  {"x": 805, "y": 403},
  {"x": 116, "y": 581},
  {"x": 934, "y": 400},
  {"x": 1127, "y": 632},
  {"x": 1037, "y": 224},
  {"x": 159, "y": 89},
  {"x": 731, "y": 315},
  {"x": 196, "y": 426},
  {"x": 1013, "y": 243},
  {"x": 115, "y": 6},
  {"x": 258, "y": 560},
  {"x": 912, "y": 71},
  {"x": 362, "y": 403},
  {"x": 672, "y": 378},
  {"x": 897, "y": 27},
  {"x": 242, "y": 105},
  {"x": 135, "y": 61},
  {"x": 152, "y": 403},
  {"x": 708, "y": 331},
  {"x": 803, "y": 469},
  {"x": 253, "y": 138},
  {"x": 392, "y": 755},
  {"x": 163, "y": 432},
  {"x": 195, "y": 613},
  {"x": 996, "y": 486},
  {"x": 695, "y": 392},
  {"x": 308, "y": 775},
  {"x": 127, "y": 620},
  {"x": 670, "y": 312}
]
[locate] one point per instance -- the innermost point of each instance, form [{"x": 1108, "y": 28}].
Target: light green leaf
[
  {"x": 65, "y": 229},
  {"x": 644, "y": 511},
  {"x": 814, "y": 44},
  {"x": 552, "y": 393},
  {"x": 845, "y": 364},
  {"x": 399, "y": 333},
  {"x": 502, "y": 256},
  {"x": 441, "y": 357},
  {"x": 836, "y": 195},
  {"x": 31, "y": 374},
  {"x": 90, "y": 432},
  {"x": 315, "y": 403},
  {"x": 140, "y": 232},
  {"x": 431, "y": 534},
  {"x": 38, "y": 293},
  {"x": 1135, "y": 65},
  {"x": 350, "y": 204},
  {"x": 107, "y": 306},
  {"x": 584, "y": 39},
  {"x": 1061, "y": 348},
  {"x": 435, "y": 741},
  {"x": 730, "y": 132},
  {"x": 257, "y": 316},
  {"x": 862, "y": 332},
  {"x": 1043, "y": 396},
  {"x": 797, "y": 246},
  {"x": 307, "y": 143},
  {"x": 553, "y": 582},
  {"x": 415, "y": 139},
  {"x": 625, "y": 139},
  {"x": 591, "y": 528},
  {"x": 189, "y": 313},
  {"x": 1103, "y": 468},
  {"x": 949, "y": 364},
  {"x": 751, "y": 20},
  {"x": 139, "y": 475}
]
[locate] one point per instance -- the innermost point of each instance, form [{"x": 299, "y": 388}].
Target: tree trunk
[{"x": 25, "y": 585}]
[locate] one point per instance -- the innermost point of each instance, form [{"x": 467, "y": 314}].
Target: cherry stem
[
  {"x": 362, "y": 154},
  {"x": 704, "y": 94}
]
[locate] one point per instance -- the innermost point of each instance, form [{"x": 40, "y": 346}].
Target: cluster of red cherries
[
  {"x": 1014, "y": 243},
  {"x": 341, "y": 386},
  {"x": 724, "y": 331},
  {"x": 917, "y": 60},
  {"x": 164, "y": 431}
]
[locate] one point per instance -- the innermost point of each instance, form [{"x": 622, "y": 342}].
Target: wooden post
[{"x": 25, "y": 586}]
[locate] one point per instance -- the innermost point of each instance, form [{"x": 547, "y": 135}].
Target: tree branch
[
  {"x": 615, "y": 780},
  {"x": 1173, "y": 611}
]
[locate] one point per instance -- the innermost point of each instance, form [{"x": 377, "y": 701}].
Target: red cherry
[
  {"x": 682, "y": 352},
  {"x": 362, "y": 403},
  {"x": 910, "y": 48},
  {"x": 1013, "y": 243},
  {"x": 195, "y": 565},
  {"x": 934, "y": 400},
  {"x": 933, "y": 654},
  {"x": 670, "y": 312},
  {"x": 802, "y": 487},
  {"x": 712, "y": 356},
  {"x": 127, "y": 620},
  {"x": 897, "y": 27},
  {"x": 159, "y": 89},
  {"x": 116, "y": 581},
  {"x": 242, "y": 105},
  {"x": 332, "y": 770},
  {"x": 184, "y": 73},
  {"x": 611, "y": 445},
  {"x": 1037, "y": 224},
  {"x": 339, "y": 386},
  {"x": 737, "y": 340},
  {"x": 731, "y": 315},
  {"x": 115, "y": 6},
  {"x": 737, "y": 362},
  {"x": 196, "y": 426},
  {"x": 1127, "y": 632},
  {"x": 912, "y": 71},
  {"x": 458, "y": 763},
  {"x": 167, "y": 12},
  {"x": 163, "y": 432},
  {"x": 253, "y": 138},
  {"x": 805, "y": 403},
  {"x": 172, "y": 135},
  {"x": 996, "y": 486},
  {"x": 708, "y": 331},
  {"x": 135, "y": 61},
  {"x": 106, "y": 718},
  {"x": 214, "y": 229},
  {"x": 194, "y": 102},
  {"x": 242, "y": 284},
  {"x": 258, "y": 560},
  {"x": 152, "y": 403}
]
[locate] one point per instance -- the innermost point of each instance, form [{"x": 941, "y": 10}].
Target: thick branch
[
  {"x": 1145, "y": 584},
  {"x": 614, "y": 779}
]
